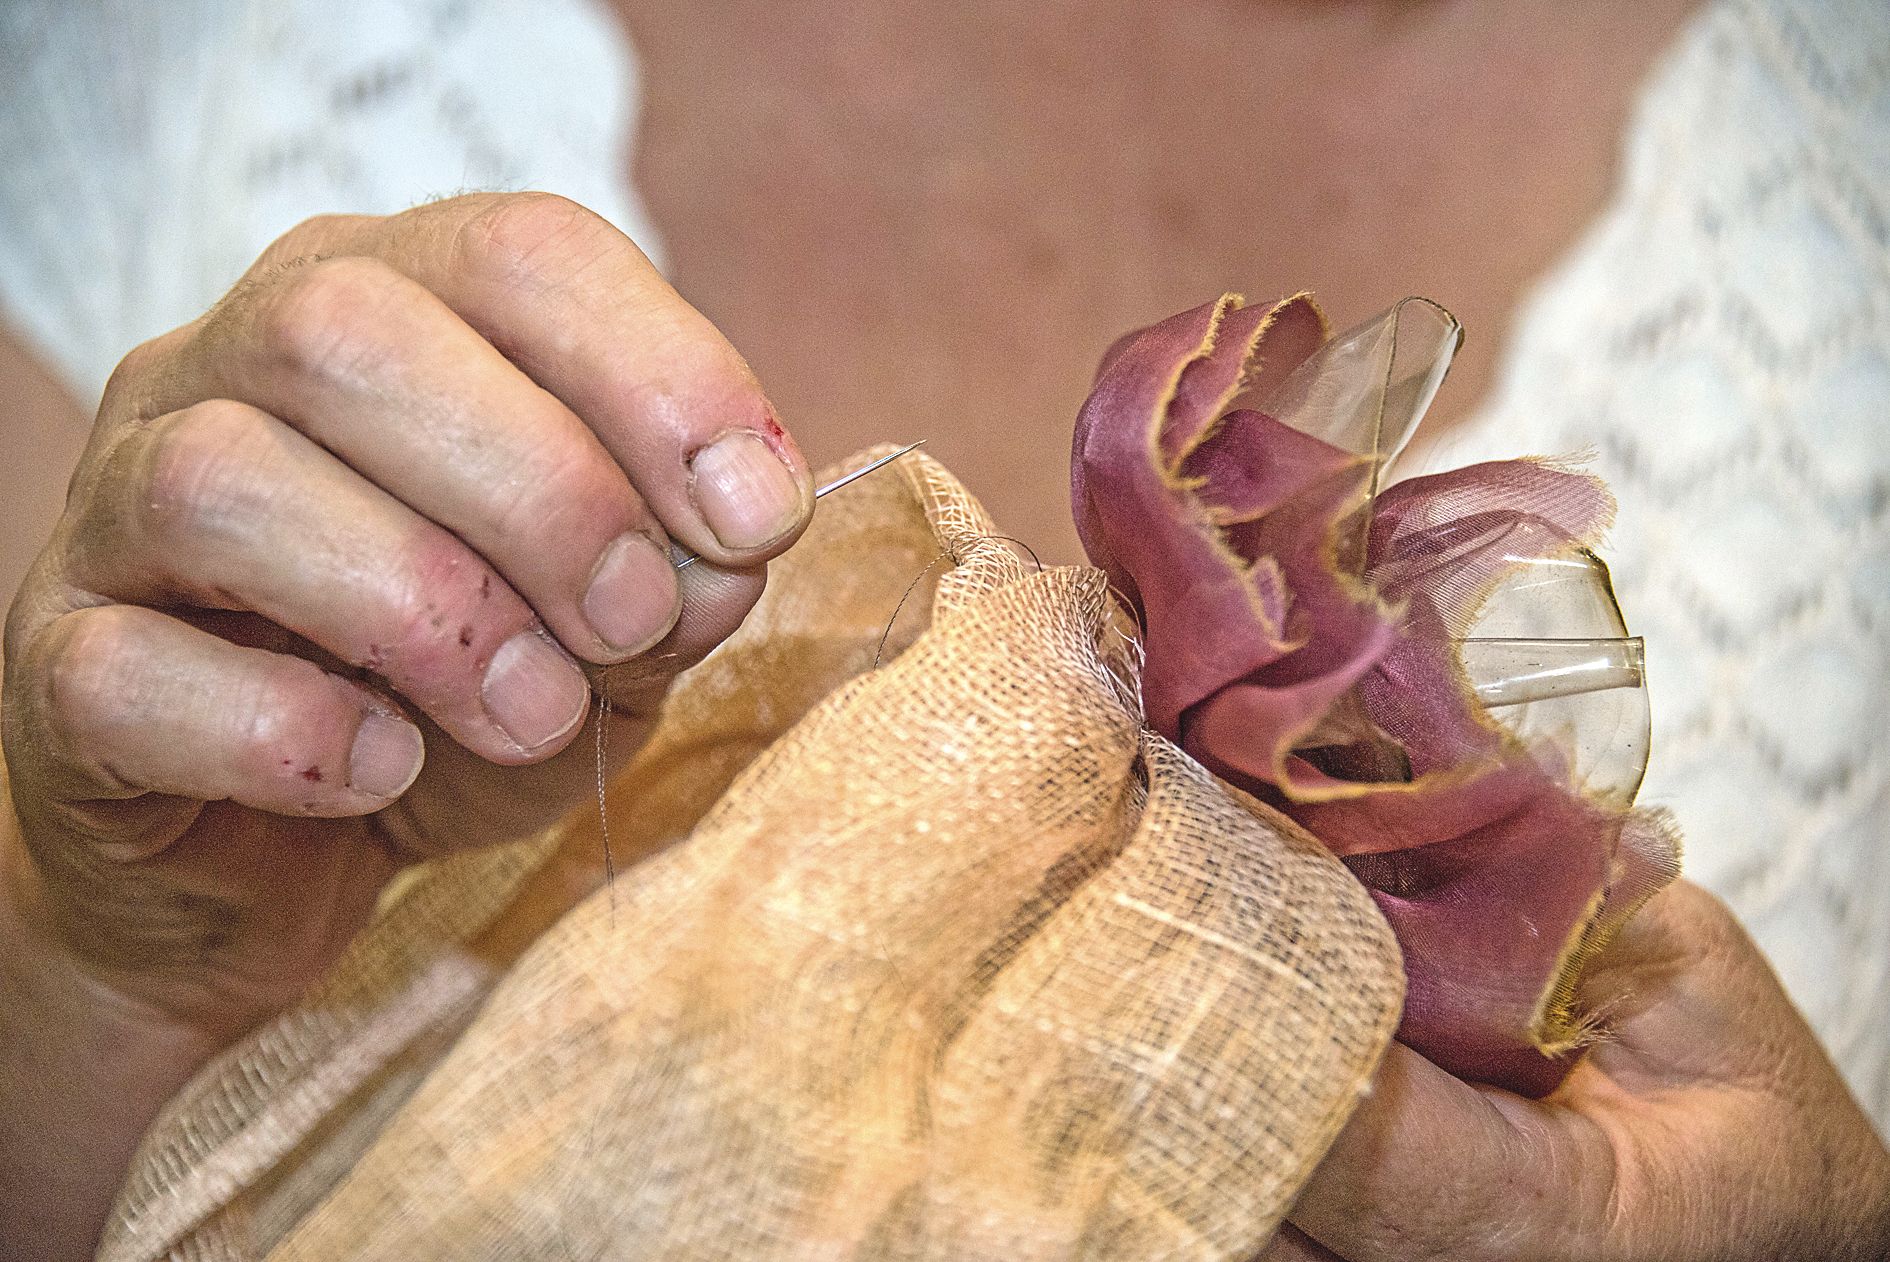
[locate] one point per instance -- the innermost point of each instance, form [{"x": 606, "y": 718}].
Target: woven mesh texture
[{"x": 949, "y": 958}]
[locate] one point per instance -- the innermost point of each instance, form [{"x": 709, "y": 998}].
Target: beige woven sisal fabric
[{"x": 946, "y": 959}]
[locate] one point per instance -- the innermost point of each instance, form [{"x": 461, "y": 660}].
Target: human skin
[
  {"x": 42, "y": 431},
  {"x": 929, "y": 221},
  {"x": 316, "y": 608},
  {"x": 1706, "y": 1125}
]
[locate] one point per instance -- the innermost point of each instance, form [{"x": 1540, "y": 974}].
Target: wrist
[{"x": 83, "y": 1070}]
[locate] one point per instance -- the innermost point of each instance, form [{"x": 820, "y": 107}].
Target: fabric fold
[{"x": 1303, "y": 628}]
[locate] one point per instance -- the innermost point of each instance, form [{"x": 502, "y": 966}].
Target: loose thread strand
[
  {"x": 944, "y": 555},
  {"x": 603, "y": 809},
  {"x": 910, "y": 588}
]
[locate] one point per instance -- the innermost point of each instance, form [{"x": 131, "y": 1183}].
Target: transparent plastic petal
[
  {"x": 1549, "y": 657},
  {"x": 1366, "y": 390},
  {"x": 1547, "y": 652}
]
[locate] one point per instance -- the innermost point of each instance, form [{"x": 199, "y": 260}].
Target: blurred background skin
[
  {"x": 929, "y": 220},
  {"x": 44, "y": 429}
]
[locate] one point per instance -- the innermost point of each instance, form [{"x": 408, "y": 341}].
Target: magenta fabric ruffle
[{"x": 1301, "y": 632}]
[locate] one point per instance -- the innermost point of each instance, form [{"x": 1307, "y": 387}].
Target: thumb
[
  {"x": 1433, "y": 1166},
  {"x": 1678, "y": 995}
]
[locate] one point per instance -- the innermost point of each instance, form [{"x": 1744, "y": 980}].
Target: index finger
[{"x": 575, "y": 304}]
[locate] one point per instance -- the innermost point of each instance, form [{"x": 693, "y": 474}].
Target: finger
[
  {"x": 224, "y": 506},
  {"x": 1678, "y": 993},
  {"x": 380, "y": 372},
  {"x": 714, "y": 603},
  {"x": 1735, "y": 1132},
  {"x": 1429, "y": 1166},
  {"x": 130, "y": 701},
  {"x": 574, "y": 303}
]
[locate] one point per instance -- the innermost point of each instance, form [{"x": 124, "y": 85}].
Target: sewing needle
[{"x": 834, "y": 485}]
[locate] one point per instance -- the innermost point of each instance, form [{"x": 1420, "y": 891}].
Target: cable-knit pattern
[
  {"x": 1721, "y": 342},
  {"x": 149, "y": 152}
]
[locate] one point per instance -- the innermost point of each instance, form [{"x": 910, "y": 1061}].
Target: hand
[
  {"x": 1707, "y": 1124},
  {"x": 320, "y": 597}
]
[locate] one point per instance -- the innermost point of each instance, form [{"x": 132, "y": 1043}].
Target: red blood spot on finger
[
  {"x": 312, "y": 774},
  {"x": 485, "y": 587},
  {"x": 769, "y": 430},
  {"x": 465, "y": 637}
]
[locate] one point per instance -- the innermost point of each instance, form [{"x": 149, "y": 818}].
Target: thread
[
  {"x": 603, "y": 809},
  {"x": 945, "y": 554}
]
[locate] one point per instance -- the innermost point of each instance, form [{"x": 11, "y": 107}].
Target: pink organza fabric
[{"x": 1300, "y": 632}]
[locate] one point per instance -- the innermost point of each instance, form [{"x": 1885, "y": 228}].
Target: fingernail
[
  {"x": 533, "y": 691},
  {"x": 748, "y": 497},
  {"x": 387, "y": 755},
  {"x": 633, "y": 599}
]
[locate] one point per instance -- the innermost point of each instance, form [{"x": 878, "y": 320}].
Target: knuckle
[
  {"x": 89, "y": 661},
  {"x": 534, "y": 237},
  {"x": 317, "y": 318},
  {"x": 437, "y": 631},
  {"x": 1693, "y": 924},
  {"x": 307, "y": 238},
  {"x": 1694, "y": 903},
  {"x": 132, "y": 379},
  {"x": 1719, "y": 928},
  {"x": 198, "y": 464}
]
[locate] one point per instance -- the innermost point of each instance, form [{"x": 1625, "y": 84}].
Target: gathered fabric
[{"x": 945, "y": 957}]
